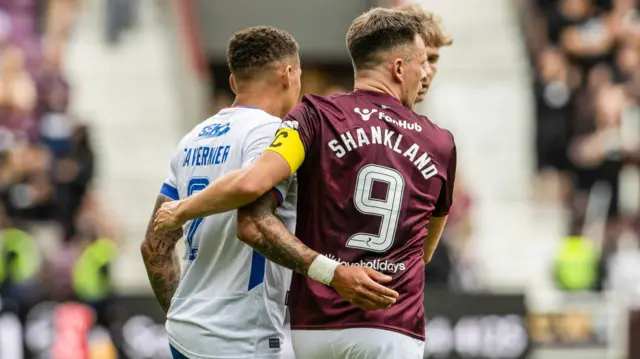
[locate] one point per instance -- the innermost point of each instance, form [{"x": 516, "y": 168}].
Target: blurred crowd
[
  {"x": 49, "y": 216},
  {"x": 585, "y": 56}
]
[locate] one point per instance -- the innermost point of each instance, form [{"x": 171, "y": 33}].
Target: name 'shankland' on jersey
[{"x": 375, "y": 135}]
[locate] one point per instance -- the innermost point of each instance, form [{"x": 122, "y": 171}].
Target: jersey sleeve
[
  {"x": 169, "y": 187},
  {"x": 281, "y": 190},
  {"x": 256, "y": 142},
  {"x": 296, "y": 135},
  {"x": 445, "y": 199}
]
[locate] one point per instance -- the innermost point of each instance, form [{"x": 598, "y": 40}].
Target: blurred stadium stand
[{"x": 137, "y": 127}]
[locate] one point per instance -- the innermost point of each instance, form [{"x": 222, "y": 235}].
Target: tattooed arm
[
  {"x": 161, "y": 260},
  {"x": 259, "y": 228}
]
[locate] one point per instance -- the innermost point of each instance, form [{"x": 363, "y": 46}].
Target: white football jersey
[{"x": 231, "y": 301}]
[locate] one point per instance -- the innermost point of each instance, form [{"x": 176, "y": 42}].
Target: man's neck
[
  {"x": 380, "y": 87},
  {"x": 263, "y": 101},
  {"x": 371, "y": 80}
]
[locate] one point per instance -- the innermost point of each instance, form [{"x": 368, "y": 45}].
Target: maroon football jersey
[{"x": 374, "y": 174}]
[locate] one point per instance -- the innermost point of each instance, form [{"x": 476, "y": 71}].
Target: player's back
[
  {"x": 230, "y": 301},
  {"x": 374, "y": 174}
]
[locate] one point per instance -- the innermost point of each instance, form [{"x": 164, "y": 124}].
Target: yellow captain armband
[{"x": 289, "y": 145}]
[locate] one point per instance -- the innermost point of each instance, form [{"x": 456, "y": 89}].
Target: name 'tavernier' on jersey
[{"x": 205, "y": 155}]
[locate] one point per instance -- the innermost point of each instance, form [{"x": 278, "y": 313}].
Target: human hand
[
  {"x": 167, "y": 218},
  {"x": 361, "y": 287}
]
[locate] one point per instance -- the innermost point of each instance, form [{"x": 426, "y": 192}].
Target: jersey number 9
[
  {"x": 196, "y": 184},
  {"x": 388, "y": 208}
]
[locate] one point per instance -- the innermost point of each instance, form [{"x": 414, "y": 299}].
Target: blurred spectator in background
[
  {"x": 59, "y": 16},
  {"x": 17, "y": 93},
  {"x": 52, "y": 85},
  {"x": 596, "y": 149},
  {"x": 554, "y": 88},
  {"x": 23, "y": 17},
  {"x": 19, "y": 264},
  {"x": 584, "y": 31},
  {"x": 5, "y": 29},
  {"x": 27, "y": 194},
  {"x": 586, "y": 58},
  {"x": 73, "y": 174},
  {"x": 121, "y": 16}
]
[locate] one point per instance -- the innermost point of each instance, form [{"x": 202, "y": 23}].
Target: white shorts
[
  {"x": 287, "y": 346},
  {"x": 355, "y": 343}
]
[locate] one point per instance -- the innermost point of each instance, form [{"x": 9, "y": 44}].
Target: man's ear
[
  {"x": 289, "y": 73},
  {"x": 232, "y": 83},
  {"x": 397, "y": 70}
]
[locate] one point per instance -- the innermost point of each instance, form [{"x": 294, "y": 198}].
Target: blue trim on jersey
[
  {"x": 278, "y": 194},
  {"x": 258, "y": 264},
  {"x": 169, "y": 191},
  {"x": 176, "y": 354}
]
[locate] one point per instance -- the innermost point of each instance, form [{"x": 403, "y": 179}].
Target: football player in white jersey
[{"x": 229, "y": 301}]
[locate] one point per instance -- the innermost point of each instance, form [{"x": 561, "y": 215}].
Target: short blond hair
[{"x": 432, "y": 23}]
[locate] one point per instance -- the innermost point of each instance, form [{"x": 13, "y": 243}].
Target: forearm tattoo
[
  {"x": 265, "y": 233},
  {"x": 161, "y": 260}
]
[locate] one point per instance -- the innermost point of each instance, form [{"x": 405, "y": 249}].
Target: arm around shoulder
[
  {"x": 259, "y": 228},
  {"x": 232, "y": 191},
  {"x": 268, "y": 170}
]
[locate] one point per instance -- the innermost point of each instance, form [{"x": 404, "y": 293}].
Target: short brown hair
[
  {"x": 380, "y": 30},
  {"x": 258, "y": 47},
  {"x": 432, "y": 23}
]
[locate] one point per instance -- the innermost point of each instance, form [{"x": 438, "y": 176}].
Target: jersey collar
[
  {"x": 242, "y": 106},
  {"x": 380, "y": 97}
]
